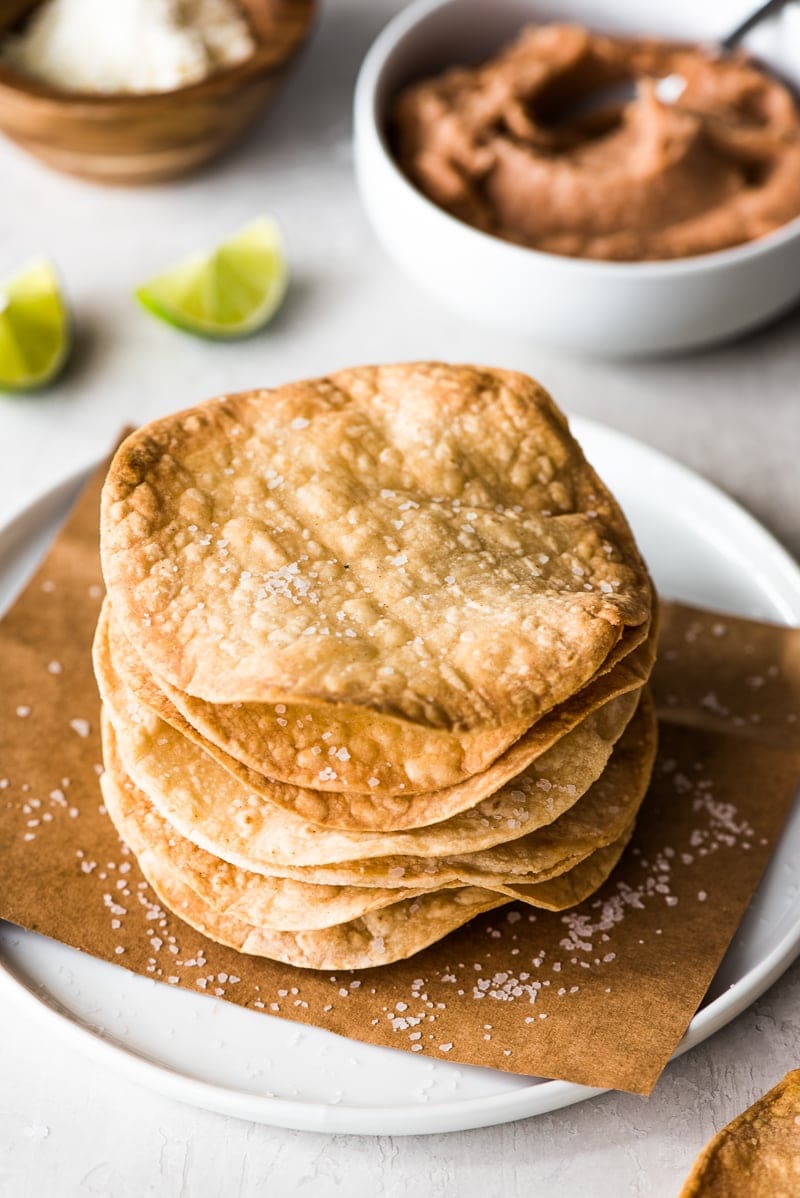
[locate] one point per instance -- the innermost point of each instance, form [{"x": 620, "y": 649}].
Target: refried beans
[{"x": 514, "y": 147}]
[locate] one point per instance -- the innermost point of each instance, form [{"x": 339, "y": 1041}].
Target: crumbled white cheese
[{"x": 130, "y": 45}]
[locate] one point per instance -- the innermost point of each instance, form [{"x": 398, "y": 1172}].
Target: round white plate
[{"x": 701, "y": 548}]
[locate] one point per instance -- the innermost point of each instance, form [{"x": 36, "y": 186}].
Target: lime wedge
[
  {"x": 230, "y": 292},
  {"x": 34, "y": 331}
]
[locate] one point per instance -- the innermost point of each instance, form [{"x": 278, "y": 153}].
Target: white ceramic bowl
[{"x": 604, "y": 308}]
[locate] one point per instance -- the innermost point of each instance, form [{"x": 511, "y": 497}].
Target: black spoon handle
[{"x": 764, "y": 10}]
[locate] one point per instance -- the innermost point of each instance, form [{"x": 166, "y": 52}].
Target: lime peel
[
  {"x": 230, "y": 292},
  {"x": 34, "y": 328}
]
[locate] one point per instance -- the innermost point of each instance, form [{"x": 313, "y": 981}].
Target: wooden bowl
[{"x": 124, "y": 138}]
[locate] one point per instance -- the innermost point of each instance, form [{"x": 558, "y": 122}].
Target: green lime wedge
[
  {"x": 34, "y": 329},
  {"x": 230, "y": 292}
]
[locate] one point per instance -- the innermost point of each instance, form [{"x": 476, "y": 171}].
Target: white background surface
[{"x": 70, "y": 1128}]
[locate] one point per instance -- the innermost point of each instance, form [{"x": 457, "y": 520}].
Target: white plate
[{"x": 702, "y": 548}]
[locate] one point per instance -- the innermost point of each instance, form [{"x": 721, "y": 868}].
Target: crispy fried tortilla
[
  {"x": 758, "y": 1154},
  {"x": 127, "y": 689},
  {"x": 381, "y": 935},
  {"x": 601, "y": 816},
  {"x": 422, "y": 541}
]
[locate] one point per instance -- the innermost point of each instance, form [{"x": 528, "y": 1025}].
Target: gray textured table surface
[{"x": 67, "y": 1127}]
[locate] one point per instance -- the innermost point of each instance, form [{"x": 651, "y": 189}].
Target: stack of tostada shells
[{"x": 373, "y": 659}]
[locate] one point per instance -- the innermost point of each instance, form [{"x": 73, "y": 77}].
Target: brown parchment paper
[{"x": 600, "y": 995}]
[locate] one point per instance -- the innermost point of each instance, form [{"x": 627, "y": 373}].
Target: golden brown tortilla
[
  {"x": 127, "y": 689},
  {"x": 421, "y": 541},
  {"x": 758, "y": 1154},
  {"x": 378, "y": 937}
]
